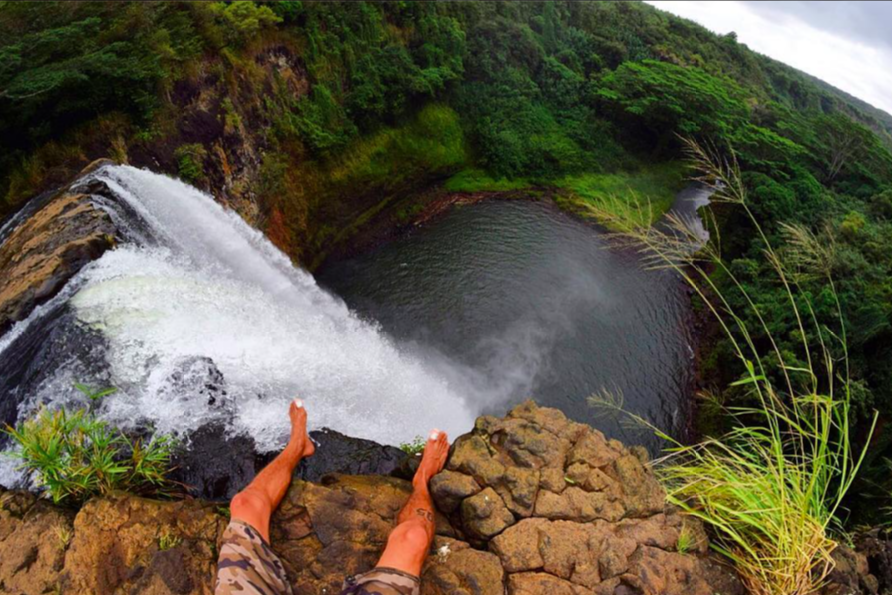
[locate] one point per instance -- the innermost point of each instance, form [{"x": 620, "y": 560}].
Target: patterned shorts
[
  {"x": 382, "y": 581},
  {"x": 248, "y": 566}
]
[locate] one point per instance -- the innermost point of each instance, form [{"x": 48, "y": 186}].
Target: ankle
[{"x": 293, "y": 453}]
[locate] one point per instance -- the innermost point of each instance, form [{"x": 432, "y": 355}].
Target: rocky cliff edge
[{"x": 529, "y": 504}]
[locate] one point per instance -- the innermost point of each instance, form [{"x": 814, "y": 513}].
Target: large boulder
[
  {"x": 128, "y": 545},
  {"x": 568, "y": 511},
  {"x": 339, "y": 453},
  {"x": 42, "y": 253},
  {"x": 34, "y": 537}
]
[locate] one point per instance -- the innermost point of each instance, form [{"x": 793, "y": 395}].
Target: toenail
[{"x": 298, "y": 403}]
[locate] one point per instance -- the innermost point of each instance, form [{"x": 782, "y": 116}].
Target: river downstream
[{"x": 534, "y": 303}]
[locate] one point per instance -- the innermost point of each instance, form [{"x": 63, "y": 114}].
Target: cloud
[
  {"x": 823, "y": 41},
  {"x": 867, "y": 22}
]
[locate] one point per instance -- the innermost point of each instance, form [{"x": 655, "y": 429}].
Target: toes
[{"x": 297, "y": 412}]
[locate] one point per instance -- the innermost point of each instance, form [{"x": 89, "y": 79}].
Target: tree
[
  {"x": 843, "y": 141},
  {"x": 665, "y": 100}
]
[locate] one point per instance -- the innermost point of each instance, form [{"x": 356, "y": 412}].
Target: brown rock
[
  {"x": 472, "y": 456},
  {"x": 527, "y": 444},
  {"x": 593, "y": 450},
  {"x": 34, "y": 537},
  {"x": 552, "y": 479},
  {"x": 518, "y": 489},
  {"x": 326, "y": 532},
  {"x": 449, "y": 488},
  {"x": 539, "y": 583},
  {"x": 485, "y": 515},
  {"x": 518, "y": 547},
  {"x": 45, "y": 251},
  {"x": 553, "y": 521},
  {"x": 576, "y": 504},
  {"x": 126, "y": 544},
  {"x": 653, "y": 571},
  {"x": 850, "y": 574},
  {"x": 642, "y": 493},
  {"x": 457, "y": 569}
]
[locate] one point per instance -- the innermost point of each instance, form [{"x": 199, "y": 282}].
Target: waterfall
[{"x": 198, "y": 298}]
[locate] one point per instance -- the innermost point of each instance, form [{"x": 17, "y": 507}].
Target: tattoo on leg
[{"x": 425, "y": 514}]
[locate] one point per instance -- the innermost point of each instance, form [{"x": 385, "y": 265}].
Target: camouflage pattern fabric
[
  {"x": 382, "y": 581},
  {"x": 247, "y": 565}
]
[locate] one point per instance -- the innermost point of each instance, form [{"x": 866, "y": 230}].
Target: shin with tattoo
[{"x": 409, "y": 542}]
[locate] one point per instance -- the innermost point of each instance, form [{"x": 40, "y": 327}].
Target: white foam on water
[{"x": 214, "y": 287}]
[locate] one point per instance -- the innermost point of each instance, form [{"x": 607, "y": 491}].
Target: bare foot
[
  {"x": 300, "y": 441},
  {"x": 435, "y": 452}
]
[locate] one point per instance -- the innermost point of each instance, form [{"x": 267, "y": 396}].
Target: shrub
[
  {"x": 75, "y": 456},
  {"x": 189, "y": 162},
  {"x": 244, "y": 19}
]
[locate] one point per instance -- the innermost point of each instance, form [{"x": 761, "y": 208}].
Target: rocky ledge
[
  {"x": 529, "y": 504},
  {"x": 64, "y": 233}
]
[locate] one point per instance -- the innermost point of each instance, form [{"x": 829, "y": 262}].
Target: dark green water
[{"x": 521, "y": 300}]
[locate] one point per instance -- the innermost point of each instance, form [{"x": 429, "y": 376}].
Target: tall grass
[
  {"x": 74, "y": 456},
  {"x": 771, "y": 487}
]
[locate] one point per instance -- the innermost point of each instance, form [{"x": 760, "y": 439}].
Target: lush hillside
[{"x": 312, "y": 118}]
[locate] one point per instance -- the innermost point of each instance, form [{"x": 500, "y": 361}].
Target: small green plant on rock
[
  {"x": 94, "y": 395},
  {"x": 414, "y": 447},
  {"x": 63, "y": 534},
  {"x": 75, "y": 456},
  {"x": 168, "y": 541},
  {"x": 685, "y": 541}
]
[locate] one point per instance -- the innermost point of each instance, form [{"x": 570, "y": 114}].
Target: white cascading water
[{"x": 211, "y": 286}]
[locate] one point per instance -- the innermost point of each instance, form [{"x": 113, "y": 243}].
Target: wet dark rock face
[
  {"x": 54, "y": 341},
  {"x": 338, "y": 453},
  {"x": 215, "y": 466}
]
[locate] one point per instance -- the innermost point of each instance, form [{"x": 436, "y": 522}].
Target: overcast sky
[{"x": 847, "y": 44}]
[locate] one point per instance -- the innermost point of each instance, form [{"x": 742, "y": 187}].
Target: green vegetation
[
  {"x": 685, "y": 541},
  {"x": 94, "y": 395},
  {"x": 415, "y": 447},
  {"x": 189, "y": 162},
  {"x": 477, "y": 180},
  {"x": 770, "y": 487},
  {"x": 654, "y": 186},
  {"x": 168, "y": 541},
  {"x": 63, "y": 535},
  {"x": 75, "y": 456}
]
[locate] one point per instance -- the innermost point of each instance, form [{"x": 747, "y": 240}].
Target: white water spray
[{"x": 210, "y": 286}]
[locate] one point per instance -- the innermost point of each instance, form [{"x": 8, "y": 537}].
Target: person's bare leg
[
  {"x": 255, "y": 504},
  {"x": 410, "y": 540}
]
